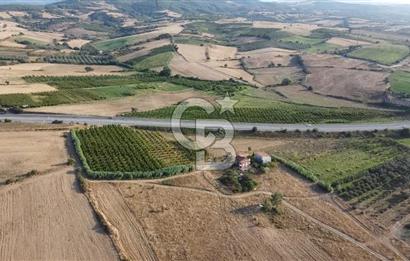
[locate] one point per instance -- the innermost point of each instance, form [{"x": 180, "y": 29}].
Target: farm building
[
  {"x": 243, "y": 162},
  {"x": 262, "y": 158}
]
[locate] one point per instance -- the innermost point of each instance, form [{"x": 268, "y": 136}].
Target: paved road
[{"x": 164, "y": 123}]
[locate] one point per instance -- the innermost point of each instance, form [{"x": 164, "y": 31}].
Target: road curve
[{"x": 166, "y": 123}]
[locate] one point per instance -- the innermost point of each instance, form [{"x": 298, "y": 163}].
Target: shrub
[{"x": 272, "y": 204}]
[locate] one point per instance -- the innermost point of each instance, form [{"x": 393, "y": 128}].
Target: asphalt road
[{"x": 166, "y": 123}]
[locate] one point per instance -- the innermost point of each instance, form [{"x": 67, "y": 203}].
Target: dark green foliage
[
  {"x": 272, "y": 204},
  {"x": 166, "y": 71},
  {"x": 389, "y": 178},
  {"x": 236, "y": 182},
  {"x": 81, "y": 59},
  {"x": 114, "y": 152}
]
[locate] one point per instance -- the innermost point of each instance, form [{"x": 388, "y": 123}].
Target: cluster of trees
[{"x": 237, "y": 182}]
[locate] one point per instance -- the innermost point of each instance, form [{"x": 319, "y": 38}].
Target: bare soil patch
[
  {"x": 48, "y": 218},
  {"x": 173, "y": 223},
  {"x": 333, "y": 61},
  {"x": 23, "y": 151},
  {"x": 299, "y": 94},
  {"x": 363, "y": 86},
  {"x": 346, "y": 42}
]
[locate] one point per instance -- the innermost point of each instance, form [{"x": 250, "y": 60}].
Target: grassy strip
[{"x": 304, "y": 172}]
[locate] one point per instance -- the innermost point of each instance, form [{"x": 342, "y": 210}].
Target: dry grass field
[
  {"x": 77, "y": 43},
  {"x": 9, "y": 29},
  {"x": 333, "y": 61},
  {"x": 262, "y": 58},
  {"x": 294, "y": 28},
  {"x": 23, "y": 151},
  {"x": 14, "y": 74},
  {"x": 48, "y": 218},
  {"x": 195, "y": 224},
  {"x": 117, "y": 106},
  {"x": 275, "y": 76},
  {"x": 209, "y": 62},
  {"x": 363, "y": 86},
  {"x": 299, "y": 94}
]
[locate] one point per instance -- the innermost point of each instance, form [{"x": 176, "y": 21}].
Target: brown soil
[
  {"x": 364, "y": 86},
  {"x": 48, "y": 218}
]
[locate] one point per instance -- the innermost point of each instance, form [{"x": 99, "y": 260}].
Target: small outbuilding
[{"x": 262, "y": 158}]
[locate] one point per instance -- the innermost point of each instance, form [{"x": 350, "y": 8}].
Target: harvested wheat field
[
  {"x": 263, "y": 58},
  {"x": 48, "y": 218},
  {"x": 209, "y": 62},
  {"x": 77, "y": 43},
  {"x": 48, "y": 69},
  {"x": 23, "y": 151},
  {"x": 195, "y": 224},
  {"x": 9, "y": 29},
  {"x": 333, "y": 61},
  {"x": 275, "y": 76},
  {"x": 25, "y": 88},
  {"x": 118, "y": 106},
  {"x": 294, "y": 28},
  {"x": 346, "y": 42},
  {"x": 363, "y": 86},
  {"x": 299, "y": 94}
]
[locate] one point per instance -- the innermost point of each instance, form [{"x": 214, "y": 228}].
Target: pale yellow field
[
  {"x": 23, "y": 151},
  {"x": 4, "y": 15},
  {"x": 262, "y": 58},
  {"x": 12, "y": 29},
  {"x": 17, "y": 13},
  {"x": 295, "y": 28},
  {"x": 47, "y": 218},
  {"x": 222, "y": 64},
  {"x": 346, "y": 42},
  {"x": 117, "y": 106},
  {"x": 77, "y": 43},
  {"x": 9, "y": 42},
  {"x": 25, "y": 88}
]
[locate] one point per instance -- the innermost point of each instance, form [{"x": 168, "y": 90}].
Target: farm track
[{"x": 257, "y": 193}]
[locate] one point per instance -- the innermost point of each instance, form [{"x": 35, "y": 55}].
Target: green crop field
[
  {"x": 400, "y": 82},
  {"x": 115, "y": 152},
  {"x": 387, "y": 54},
  {"x": 155, "y": 61},
  {"x": 325, "y": 48},
  {"x": 338, "y": 163}
]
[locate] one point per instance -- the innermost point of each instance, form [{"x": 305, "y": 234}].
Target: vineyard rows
[{"x": 81, "y": 59}]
